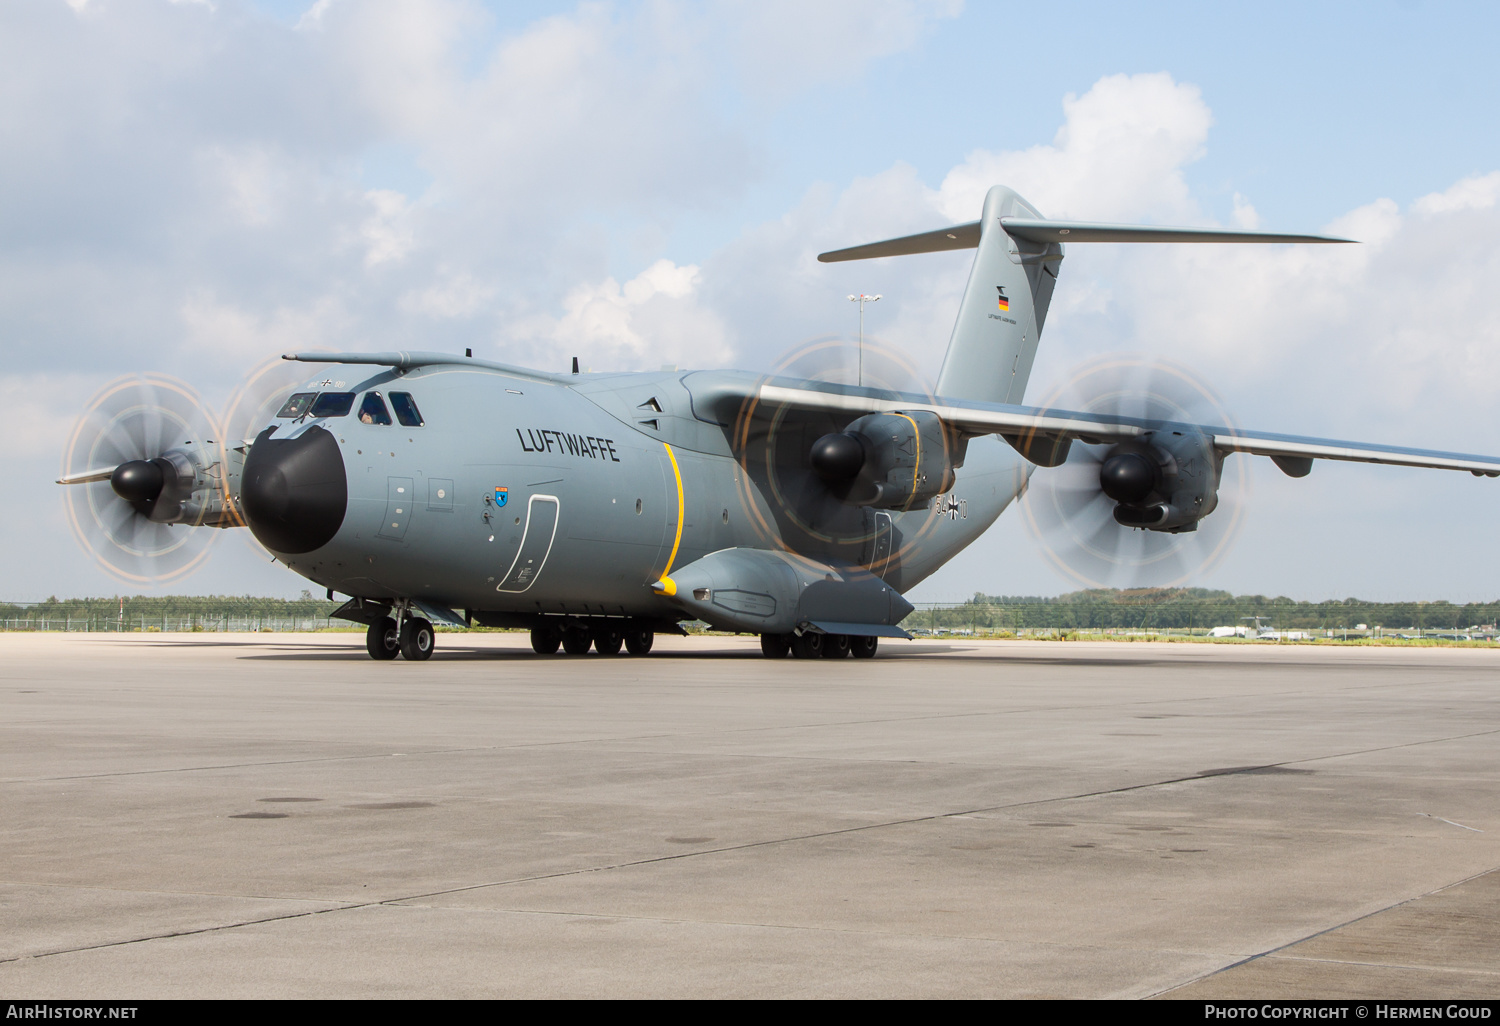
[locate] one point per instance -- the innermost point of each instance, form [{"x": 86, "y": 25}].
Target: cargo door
[{"x": 536, "y": 544}]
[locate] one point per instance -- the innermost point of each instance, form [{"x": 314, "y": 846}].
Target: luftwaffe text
[{"x": 574, "y": 445}]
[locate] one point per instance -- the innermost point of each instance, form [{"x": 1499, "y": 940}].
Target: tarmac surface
[{"x": 276, "y": 815}]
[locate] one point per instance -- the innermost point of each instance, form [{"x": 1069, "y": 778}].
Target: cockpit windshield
[
  {"x": 332, "y": 404},
  {"x": 372, "y": 410},
  {"x": 297, "y": 405},
  {"x": 406, "y": 409}
]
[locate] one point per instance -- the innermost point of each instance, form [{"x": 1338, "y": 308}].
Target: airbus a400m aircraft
[{"x": 598, "y": 510}]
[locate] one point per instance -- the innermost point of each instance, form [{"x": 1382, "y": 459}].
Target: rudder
[{"x": 1004, "y": 308}]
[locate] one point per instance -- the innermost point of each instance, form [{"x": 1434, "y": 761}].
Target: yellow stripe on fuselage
[
  {"x": 681, "y": 511},
  {"x": 917, "y": 434}
]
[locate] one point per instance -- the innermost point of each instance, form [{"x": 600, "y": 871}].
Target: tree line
[
  {"x": 152, "y": 608},
  {"x": 1197, "y": 608}
]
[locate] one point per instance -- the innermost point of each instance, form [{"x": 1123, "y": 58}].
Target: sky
[{"x": 191, "y": 188}]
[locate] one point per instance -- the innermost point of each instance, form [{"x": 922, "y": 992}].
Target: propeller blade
[
  {"x": 131, "y": 422},
  {"x": 1072, "y": 519}
]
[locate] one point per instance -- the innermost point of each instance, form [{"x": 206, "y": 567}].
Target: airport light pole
[{"x": 862, "y": 299}]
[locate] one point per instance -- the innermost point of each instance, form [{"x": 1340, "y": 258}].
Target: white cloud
[
  {"x": 783, "y": 46},
  {"x": 42, "y": 409},
  {"x": 456, "y": 295},
  {"x": 1477, "y": 192},
  {"x": 231, "y": 338},
  {"x": 387, "y": 232},
  {"x": 1368, "y": 340},
  {"x": 653, "y": 318},
  {"x": 1119, "y": 155},
  {"x": 249, "y": 180}
]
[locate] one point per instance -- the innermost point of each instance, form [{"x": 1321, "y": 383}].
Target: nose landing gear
[
  {"x": 411, "y": 636},
  {"x": 416, "y": 639},
  {"x": 382, "y": 639}
]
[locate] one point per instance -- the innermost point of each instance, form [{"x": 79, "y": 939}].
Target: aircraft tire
[
  {"x": 545, "y": 640},
  {"x": 576, "y": 642},
  {"x": 381, "y": 640},
  {"x": 417, "y": 639},
  {"x": 775, "y": 646},
  {"x": 607, "y": 642},
  {"x": 863, "y": 648},
  {"x": 639, "y": 642},
  {"x": 835, "y": 646},
  {"x": 807, "y": 646}
]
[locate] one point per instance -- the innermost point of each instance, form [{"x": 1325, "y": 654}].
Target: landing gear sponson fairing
[{"x": 600, "y": 509}]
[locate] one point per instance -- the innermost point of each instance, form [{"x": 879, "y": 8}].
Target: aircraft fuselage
[{"x": 530, "y": 496}]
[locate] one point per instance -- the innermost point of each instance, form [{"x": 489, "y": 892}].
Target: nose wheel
[
  {"x": 413, "y": 639},
  {"x": 383, "y": 639},
  {"x": 416, "y": 639}
]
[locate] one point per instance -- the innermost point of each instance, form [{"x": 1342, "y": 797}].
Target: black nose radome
[
  {"x": 1127, "y": 477},
  {"x": 294, "y": 491},
  {"x": 139, "y": 482},
  {"x": 837, "y": 457}
]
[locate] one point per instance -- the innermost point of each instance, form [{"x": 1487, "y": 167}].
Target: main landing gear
[
  {"x": 606, "y": 641},
  {"x": 413, "y": 639},
  {"x": 811, "y": 645}
]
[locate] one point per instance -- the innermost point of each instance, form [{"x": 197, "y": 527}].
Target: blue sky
[{"x": 191, "y": 187}]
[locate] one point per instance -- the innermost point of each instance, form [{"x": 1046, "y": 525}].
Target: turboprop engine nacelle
[
  {"x": 1166, "y": 481},
  {"x": 187, "y": 484},
  {"x": 889, "y": 460}
]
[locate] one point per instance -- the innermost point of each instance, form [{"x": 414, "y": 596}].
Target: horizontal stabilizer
[
  {"x": 1042, "y": 231},
  {"x": 960, "y": 236},
  {"x": 1047, "y": 230}
]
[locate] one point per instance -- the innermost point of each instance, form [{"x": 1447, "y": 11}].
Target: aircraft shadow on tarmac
[{"x": 1220, "y": 660}]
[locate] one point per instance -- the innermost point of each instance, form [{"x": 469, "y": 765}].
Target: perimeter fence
[
  {"x": 171, "y": 613},
  {"x": 175, "y": 624}
]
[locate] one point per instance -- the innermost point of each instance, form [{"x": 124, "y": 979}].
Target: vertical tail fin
[
  {"x": 1004, "y": 307},
  {"x": 1001, "y": 316}
]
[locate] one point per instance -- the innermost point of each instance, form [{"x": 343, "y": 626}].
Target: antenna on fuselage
[{"x": 575, "y": 365}]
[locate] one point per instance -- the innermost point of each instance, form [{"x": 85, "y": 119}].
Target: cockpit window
[
  {"x": 406, "y": 409},
  {"x": 297, "y": 405},
  {"x": 372, "y": 410},
  {"x": 332, "y": 404}
]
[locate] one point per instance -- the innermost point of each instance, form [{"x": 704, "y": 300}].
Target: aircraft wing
[{"x": 1033, "y": 430}]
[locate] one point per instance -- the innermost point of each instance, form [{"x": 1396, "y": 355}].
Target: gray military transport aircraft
[{"x": 597, "y": 510}]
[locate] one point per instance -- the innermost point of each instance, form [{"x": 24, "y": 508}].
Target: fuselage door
[
  {"x": 536, "y": 544},
  {"x": 398, "y": 507},
  {"x": 878, "y": 546}
]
